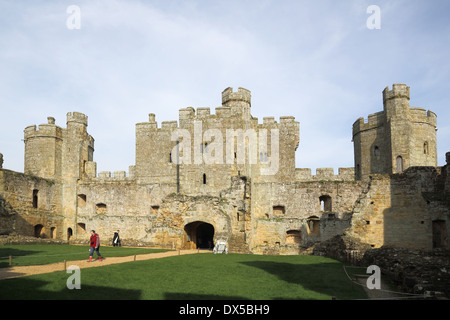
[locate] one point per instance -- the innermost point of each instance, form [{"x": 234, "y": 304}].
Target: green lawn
[
  {"x": 196, "y": 276},
  {"x": 23, "y": 255}
]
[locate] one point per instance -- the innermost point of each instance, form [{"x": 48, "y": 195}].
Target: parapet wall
[
  {"x": 325, "y": 174},
  {"x": 226, "y": 111},
  {"x": 204, "y": 113},
  {"x": 423, "y": 116},
  {"x": 399, "y": 90},
  {"x": 47, "y": 130},
  {"x": 77, "y": 117},
  {"x": 117, "y": 175},
  {"x": 241, "y": 95},
  {"x": 375, "y": 120},
  {"x": 91, "y": 173}
]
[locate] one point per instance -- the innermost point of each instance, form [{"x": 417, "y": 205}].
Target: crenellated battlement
[
  {"x": 203, "y": 114},
  {"x": 324, "y": 174},
  {"x": 375, "y": 120},
  {"x": 242, "y": 94},
  {"x": 77, "y": 117},
  {"x": 423, "y": 115},
  {"x": 49, "y": 130},
  {"x": 399, "y": 90},
  {"x": 116, "y": 176},
  {"x": 228, "y": 110}
]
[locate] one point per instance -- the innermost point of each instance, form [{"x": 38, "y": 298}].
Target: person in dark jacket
[
  {"x": 94, "y": 243},
  {"x": 116, "y": 239}
]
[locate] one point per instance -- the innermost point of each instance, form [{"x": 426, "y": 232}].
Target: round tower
[{"x": 43, "y": 149}]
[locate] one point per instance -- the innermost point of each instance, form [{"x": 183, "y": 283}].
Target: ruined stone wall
[
  {"x": 106, "y": 204},
  {"x": 401, "y": 210},
  {"x": 29, "y": 205},
  {"x": 153, "y": 214},
  {"x": 177, "y": 212},
  {"x": 290, "y": 216}
]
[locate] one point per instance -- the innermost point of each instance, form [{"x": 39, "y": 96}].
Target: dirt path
[{"x": 20, "y": 271}]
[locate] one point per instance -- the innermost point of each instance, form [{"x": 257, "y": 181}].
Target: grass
[
  {"x": 23, "y": 255},
  {"x": 196, "y": 277}
]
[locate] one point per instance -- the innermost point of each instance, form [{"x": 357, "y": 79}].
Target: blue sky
[{"x": 315, "y": 60}]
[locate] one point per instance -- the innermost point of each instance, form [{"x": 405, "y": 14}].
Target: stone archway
[{"x": 199, "y": 235}]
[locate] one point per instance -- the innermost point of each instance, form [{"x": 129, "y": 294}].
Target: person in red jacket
[{"x": 94, "y": 245}]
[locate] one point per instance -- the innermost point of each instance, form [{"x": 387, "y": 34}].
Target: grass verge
[{"x": 196, "y": 277}]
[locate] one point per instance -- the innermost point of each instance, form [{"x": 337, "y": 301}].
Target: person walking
[{"x": 94, "y": 246}]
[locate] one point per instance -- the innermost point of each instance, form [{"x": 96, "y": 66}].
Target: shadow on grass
[
  {"x": 31, "y": 289},
  {"x": 196, "y": 296},
  {"x": 14, "y": 252},
  {"x": 324, "y": 278}
]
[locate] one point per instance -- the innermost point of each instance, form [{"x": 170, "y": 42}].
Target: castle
[{"x": 228, "y": 176}]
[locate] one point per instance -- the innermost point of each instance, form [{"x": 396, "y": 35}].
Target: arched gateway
[{"x": 199, "y": 235}]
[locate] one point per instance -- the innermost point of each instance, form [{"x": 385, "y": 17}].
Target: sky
[{"x": 315, "y": 60}]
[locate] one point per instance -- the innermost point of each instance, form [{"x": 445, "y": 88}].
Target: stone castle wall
[
  {"x": 401, "y": 210},
  {"x": 30, "y": 205},
  {"x": 176, "y": 204},
  {"x": 281, "y": 210}
]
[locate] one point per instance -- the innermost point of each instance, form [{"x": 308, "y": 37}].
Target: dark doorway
[
  {"x": 38, "y": 230},
  {"x": 439, "y": 234},
  {"x": 200, "y": 235}
]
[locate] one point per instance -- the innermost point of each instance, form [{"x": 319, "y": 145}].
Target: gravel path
[{"x": 20, "y": 271}]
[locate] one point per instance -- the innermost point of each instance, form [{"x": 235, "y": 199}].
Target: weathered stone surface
[
  {"x": 414, "y": 271},
  {"x": 218, "y": 191},
  {"x": 343, "y": 248},
  {"x": 14, "y": 239}
]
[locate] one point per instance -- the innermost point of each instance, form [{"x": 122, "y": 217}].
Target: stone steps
[{"x": 237, "y": 244}]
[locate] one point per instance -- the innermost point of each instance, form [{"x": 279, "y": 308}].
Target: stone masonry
[{"x": 226, "y": 175}]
